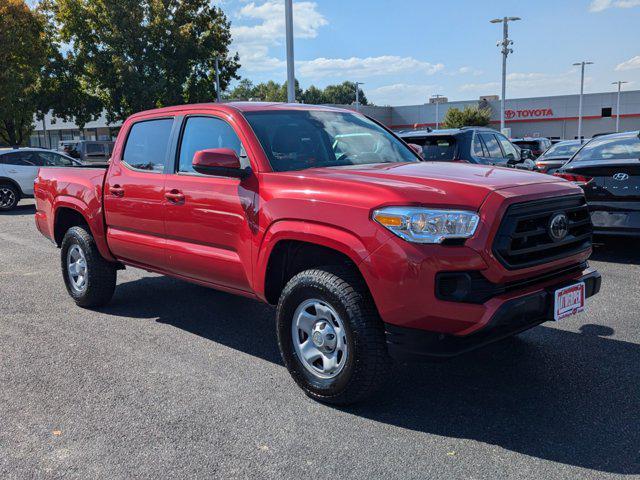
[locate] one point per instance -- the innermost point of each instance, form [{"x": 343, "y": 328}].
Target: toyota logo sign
[
  {"x": 558, "y": 227},
  {"x": 621, "y": 177}
]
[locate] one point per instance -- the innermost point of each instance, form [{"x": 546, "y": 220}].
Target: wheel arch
[{"x": 291, "y": 247}]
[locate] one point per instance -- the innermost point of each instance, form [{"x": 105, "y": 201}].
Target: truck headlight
[{"x": 426, "y": 225}]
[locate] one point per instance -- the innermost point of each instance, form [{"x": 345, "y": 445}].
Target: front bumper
[{"x": 513, "y": 316}]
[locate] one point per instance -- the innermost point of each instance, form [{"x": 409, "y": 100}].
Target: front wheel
[
  {"x": 9, "y": 197},
  {"x": 330, "y": 335},
  {"x": 89, "y": 278}
]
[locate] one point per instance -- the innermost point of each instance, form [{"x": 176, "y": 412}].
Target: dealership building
[{"x": 552, "y": 117}]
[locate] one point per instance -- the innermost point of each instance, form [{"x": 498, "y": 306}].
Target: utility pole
[
  {"x": 582, "y": 65},
  {"x": 619, "y": 83},
  {"x": 506, "y": 50},
  {"x": 358, "y": 95},
  {"x": 217, "y": 80},
  {"x": 291, "y": 76},
  {"x": 437, "y": 98}
]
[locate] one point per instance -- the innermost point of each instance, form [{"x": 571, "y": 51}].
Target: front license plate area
[{"x": 569, "y": 300}]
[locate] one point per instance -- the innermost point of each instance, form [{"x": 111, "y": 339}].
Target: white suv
[{"x": 19, "y": 168}]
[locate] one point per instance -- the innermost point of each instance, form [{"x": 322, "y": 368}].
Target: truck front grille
[{"x": 526, "y": 236}]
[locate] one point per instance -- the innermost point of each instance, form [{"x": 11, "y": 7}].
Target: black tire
[
  {"x": 101, "y": 274},
  {"x": 9, "y": 197},
  {"x": 367, "y": 363}
]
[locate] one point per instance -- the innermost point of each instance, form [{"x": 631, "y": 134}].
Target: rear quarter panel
[{"x": 79, "y": 189}]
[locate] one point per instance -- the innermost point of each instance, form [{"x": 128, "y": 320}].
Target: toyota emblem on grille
[
  {"x": 558, "y": 227},
  {"x": 620, "y": 176}
]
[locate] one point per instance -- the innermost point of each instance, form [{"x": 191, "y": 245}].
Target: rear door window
[
  {"x": 479, "y": 149},
  {"x": 147, "y": 145},
  {"x": 95, "y": 149},
  {"x": 492, "y": 145}
]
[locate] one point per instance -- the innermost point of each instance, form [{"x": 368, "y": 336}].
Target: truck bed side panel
[{"x": 79, "y": 189}]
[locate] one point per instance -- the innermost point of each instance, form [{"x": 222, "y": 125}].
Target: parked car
[
  {"x": 536, "y": 145},
  {"x": 556, "y": 155},
  {"x": 469, "y": 144},
  {"x": 608, "y": 169},
  {"x": 369, "y": 253},
  {"x": 88, "y": 151},
  {"x": 19, "y": 168}
]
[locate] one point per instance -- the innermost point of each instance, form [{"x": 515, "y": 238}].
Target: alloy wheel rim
[
  {"x": 7, "y": 197},
  {"x": 319, "y": 338},
  {"x": 77, "y": 268}
]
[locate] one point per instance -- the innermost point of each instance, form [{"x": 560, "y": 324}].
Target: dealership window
[{"x": 606, "y": 111}]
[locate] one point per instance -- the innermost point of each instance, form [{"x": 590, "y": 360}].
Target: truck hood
[{"x": 446, "y": 183}]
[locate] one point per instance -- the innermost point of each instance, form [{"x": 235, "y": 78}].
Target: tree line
[
  {"x": 79, "y": 58},
  {"x": 340, "y": 94}
]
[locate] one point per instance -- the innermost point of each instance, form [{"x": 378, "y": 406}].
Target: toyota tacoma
[{"x": 369, "y": 254}]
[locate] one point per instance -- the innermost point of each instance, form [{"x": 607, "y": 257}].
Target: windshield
[
  {"x": 562, "y": 150},
  {"x": 300, "y": 139},
  {"x": 604, "y": 148}
]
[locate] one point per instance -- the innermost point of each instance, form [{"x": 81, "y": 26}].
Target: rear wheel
[
  {"x": 89, "y": 278},
  {"x": 9, "y": 197},
  {"x": 331, "y": 337}
]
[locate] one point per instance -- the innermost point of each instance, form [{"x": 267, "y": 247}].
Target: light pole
[
  {"x": 437, "y": 98},
  {"x": 217, "y": 66},
  {"x": 291, "y": 76},
  {"x": 619, "y": 83},
  {"x": 582, "y": 65},
  {"x": 358, "y": 95},
  {"x": 506, "y": 50}
]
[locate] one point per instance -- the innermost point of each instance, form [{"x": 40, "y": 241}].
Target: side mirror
[
  {"x": 416, "y": 148},
  {"x": 218, "y": 161},
  {"x": 526, "y": 154}
]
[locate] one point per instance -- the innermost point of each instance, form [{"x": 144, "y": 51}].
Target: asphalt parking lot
[{"x": 173, "y": 380}]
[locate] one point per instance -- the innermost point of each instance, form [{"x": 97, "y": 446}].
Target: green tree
[
  {"x": 245, "y": 90},
  {"x": 23, "y": 55},
  {"x": 470, "y": 116},
  {"x": 344, "y": 94},
  {"x": 135, "y": 55},
  {"x": 313, "y": 95}
]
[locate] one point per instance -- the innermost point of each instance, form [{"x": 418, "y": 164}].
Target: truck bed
[{"x": 74, "y": 190}]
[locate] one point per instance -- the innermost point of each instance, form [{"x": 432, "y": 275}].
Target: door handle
[
  {"x": 12, "y": 171},
  {"x": 116, "y": 191},
  {"x": 174, "y": 196}
]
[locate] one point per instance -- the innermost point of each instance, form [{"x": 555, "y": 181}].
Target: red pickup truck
[{"x": 369, "y": 253}]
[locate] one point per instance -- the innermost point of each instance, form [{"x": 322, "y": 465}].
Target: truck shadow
[
  {"x": 567, "y": 397},
  {"x": 20, "y": 209},
  {"x": 616, "y": 250}
]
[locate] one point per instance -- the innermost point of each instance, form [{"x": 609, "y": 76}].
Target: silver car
[{"x": 19, "y": 168}]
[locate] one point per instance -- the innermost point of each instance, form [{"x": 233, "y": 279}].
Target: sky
[{"x": 405, "y": 51}]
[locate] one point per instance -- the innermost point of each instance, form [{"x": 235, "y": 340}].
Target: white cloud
[
  {"x": 528, "y": 84},
  {"x": 268, "y": 29},
  {"x": 366, "y": 67},
  {"x": 601, "y": 5},
  {"x": 400, "y": 94},
  {"x": 469, "y": 71},
  {"x": 630, "y": 64}
]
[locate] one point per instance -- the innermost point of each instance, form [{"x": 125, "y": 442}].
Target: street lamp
[
  {"x": 506, "y": 50},
  {"x": 358, "y": 95},
  {"x": 437, "y": 98},
  {"x": 619, "y": 83},
  {"x": 291, "y": 77},
  {"x": 217, "y": 67},
  {"x": 582, "y": 65}
]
